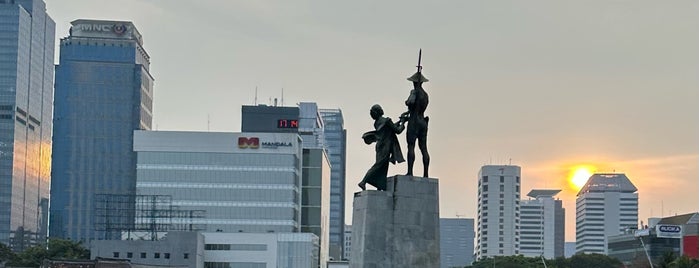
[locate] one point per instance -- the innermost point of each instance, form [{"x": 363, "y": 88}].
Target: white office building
[
  {"x": 245, "y": 182},
  {"x": 607, "y": 205},
  {"x": 542, "y": 225},
  {"x": 497, "y": 231}
]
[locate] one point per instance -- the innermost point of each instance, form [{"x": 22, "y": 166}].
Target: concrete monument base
[{"x": 398, "y": 227}]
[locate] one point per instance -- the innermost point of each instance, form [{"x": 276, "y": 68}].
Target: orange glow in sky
[{"x": 579, "y": 175}]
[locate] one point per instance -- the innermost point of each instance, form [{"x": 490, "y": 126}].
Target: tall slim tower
[
  {"x": 26, "y": 97},
  {"x": 104, "y": 91},
  {"x": 497, "y": 231},
  {"x": 336, "y": 144},
  {"x": 607, "y": 205},
  {"x": 542, "y": 225}
]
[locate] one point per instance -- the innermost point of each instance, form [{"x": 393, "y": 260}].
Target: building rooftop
[
  {"x": 690, "y": 218},
  {"x": 535, "y": 193},
  {"x": 608, "y": 182}
]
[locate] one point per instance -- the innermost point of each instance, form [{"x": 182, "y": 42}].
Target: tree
[
  {"x": 57, "y": 249},
  {"x": 666, "y": 260},
  {"x": 593, "y": 260},
  {"x": 6, "y": 254},
  {"x": 684, "y": 262},
  {"x": 66, "y": 249}
]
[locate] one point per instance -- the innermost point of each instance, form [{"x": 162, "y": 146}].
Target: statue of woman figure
[{"x": 387, "y": 147}]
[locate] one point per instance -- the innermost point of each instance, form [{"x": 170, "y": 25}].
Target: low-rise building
[
  {"x": 216, "y": 250},
  {"x": 630, "y": 248},
  {"x": 176, "y": 249},
  {"x": 677, "y": 234}
]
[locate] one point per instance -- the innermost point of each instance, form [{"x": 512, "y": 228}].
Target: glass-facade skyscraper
[
  {"x": 104, "y": 92},
  {"x": 26, "y": 94},
  {"x": 336, "y": 144}
]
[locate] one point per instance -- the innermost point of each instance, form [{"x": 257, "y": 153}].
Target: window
[
  {"x": 502, "y": 188},
  {"x": 517, "y": 178},
  {"x": 129, "y": 255},
  {"x": 143, "y": 255},
  {"x": 156, "y": 255},
  {"x": 167, "y": 255},
  {"x": 485, "y": 178},
  {"x": 502, "y": 179},
  {"x": 185, "y": 255},
  {"x": 116, "y": 254}
]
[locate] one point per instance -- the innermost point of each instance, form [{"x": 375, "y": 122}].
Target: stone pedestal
[{"x": 398, "y": 227}]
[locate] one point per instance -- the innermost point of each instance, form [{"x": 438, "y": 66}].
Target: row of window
[
  {"x": 240, "y": 247},
  {"x": 502, "y": 179},
  {"x": 144, "y": 255}
]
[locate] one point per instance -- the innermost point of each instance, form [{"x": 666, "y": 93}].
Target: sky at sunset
[{"x": 547, "y": 85}]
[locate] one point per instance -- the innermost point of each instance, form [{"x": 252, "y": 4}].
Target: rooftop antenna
[
  {"x": 255, "y": 95},
  {"x": 208, "y": 122},
  {"x": 282, "y": 96}
]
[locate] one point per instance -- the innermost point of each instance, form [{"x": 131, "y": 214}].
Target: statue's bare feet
[{"x": 362, "y": 185}]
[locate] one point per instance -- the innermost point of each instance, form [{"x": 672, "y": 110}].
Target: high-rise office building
[
  {"x": 542, "y": 225},
  {"x": 104, "y": 91},
  {"x": 336, "y": 145},
  {"x": 607, "y": 205},
  {"x": 308, "y": 121},
  {"x": 26, "y": 98},
  {"x": 455, "y": 242},
  {"x": 244, "y": 182},
  {"x": 497, "y": 231}
]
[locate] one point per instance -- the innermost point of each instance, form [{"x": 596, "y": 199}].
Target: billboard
[{"x": 668, "y": 230}]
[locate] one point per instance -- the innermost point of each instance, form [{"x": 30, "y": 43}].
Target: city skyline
[{"x": 550, "y": 85}]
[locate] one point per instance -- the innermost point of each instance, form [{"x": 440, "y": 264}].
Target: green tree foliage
[
  {"x": 577, "y": 261},
  {"x": 666, "y": 260},
  {"x": 593, "y": 260},
  {"x": 518, "y": 261},
  {"x": 684, "y": 262},
  {"x": 57, "y": 249},
  {"x": 6, "y": 254}
]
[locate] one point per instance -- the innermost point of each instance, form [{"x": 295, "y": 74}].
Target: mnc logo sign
[{"x": 252, "y": 143}]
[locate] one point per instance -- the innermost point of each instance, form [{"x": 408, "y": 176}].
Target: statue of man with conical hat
[{"x": 417, "y": 121}]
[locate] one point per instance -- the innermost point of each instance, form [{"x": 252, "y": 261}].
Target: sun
[{"x": 579, "y": 176}]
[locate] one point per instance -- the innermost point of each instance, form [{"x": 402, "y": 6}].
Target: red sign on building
[{"x": 252, "y": 143}]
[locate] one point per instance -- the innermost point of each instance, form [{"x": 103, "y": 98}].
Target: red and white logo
[{"x": 252, "y": 143}]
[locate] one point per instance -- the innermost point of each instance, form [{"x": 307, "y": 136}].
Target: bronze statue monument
[
  {"x": 385, "y": 134},
  {"x": 387, "y": 147},
  {"x": 417, "y": 121}
]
